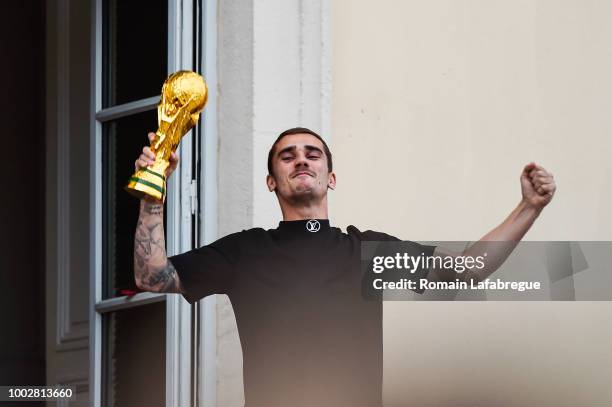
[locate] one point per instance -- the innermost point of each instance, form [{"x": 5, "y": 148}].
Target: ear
[
  {"x": 331, "y": 183},
  {"x": 271, "y": 182}
]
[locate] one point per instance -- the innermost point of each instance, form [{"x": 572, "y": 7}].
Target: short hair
[{"x": 299, "y": 130}]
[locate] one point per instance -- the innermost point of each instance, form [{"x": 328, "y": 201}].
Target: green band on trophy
[{"x": 147, "y": 183}]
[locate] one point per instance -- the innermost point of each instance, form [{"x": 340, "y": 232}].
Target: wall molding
[{"x": 70, "y": 335}]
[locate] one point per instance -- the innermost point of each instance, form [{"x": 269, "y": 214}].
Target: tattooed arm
[{"x": 152, "y": 269}]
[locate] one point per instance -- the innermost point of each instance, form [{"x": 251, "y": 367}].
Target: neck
[{"x": 304, "y": 210}]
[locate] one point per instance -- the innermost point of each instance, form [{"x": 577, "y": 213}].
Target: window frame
[{"x": 181, "y": 211}]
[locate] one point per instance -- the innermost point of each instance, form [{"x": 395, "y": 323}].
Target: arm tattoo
[
  {"x": 164, "y": 278},
  {"x": 154, "y": 209},
  {"x": 152, "y": 269}
]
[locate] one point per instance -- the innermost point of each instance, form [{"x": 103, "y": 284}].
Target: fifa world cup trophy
[{"x": 183, "y": 97}]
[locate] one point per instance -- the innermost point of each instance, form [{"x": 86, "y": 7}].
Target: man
[{"x": 308, "y": 336}]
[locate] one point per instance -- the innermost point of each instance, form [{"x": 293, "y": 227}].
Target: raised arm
[
  {"x": 152, "y": 269},
  {"x": 538, "y": 188}
]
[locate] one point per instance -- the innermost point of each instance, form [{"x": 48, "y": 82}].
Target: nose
[{"x": 300, "y": 160}]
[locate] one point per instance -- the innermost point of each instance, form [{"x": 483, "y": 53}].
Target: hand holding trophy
[{"x": 184, "y": 95}]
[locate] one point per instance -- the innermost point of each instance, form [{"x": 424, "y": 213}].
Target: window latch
[{"x": 193, "y": 196}]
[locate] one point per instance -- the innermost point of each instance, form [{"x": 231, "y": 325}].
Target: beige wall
[{"x": 436, "y": 107}]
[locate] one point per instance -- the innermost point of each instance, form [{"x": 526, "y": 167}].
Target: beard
[{"x": 304, "y": 193}]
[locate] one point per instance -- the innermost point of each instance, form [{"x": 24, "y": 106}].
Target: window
[
  {"x": 137, "y": 43},
  {"x": 133, "y": 356},
  {"x": 122, "y": 142}
]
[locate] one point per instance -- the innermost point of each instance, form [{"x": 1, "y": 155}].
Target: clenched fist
[
  {"x": 537, "y": 185},
  {"x": 148, "y": 158}
]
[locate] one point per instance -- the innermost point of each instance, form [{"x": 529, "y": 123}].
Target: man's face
[{"x": 300, "y": 169}]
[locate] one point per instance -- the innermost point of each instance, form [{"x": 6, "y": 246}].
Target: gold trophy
[{"x": 183, "y": 97}]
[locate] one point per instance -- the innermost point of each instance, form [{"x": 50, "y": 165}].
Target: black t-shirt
[{"x": 308, "y": 336}]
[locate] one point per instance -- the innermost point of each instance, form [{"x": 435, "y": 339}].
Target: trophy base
[{"x": 147, "y": 183}]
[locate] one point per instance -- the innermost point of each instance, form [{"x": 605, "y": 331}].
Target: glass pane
[
  {"x": 123, "y": 140},
  {"x": 135, "y": 49},
  {"x": 134, "y": 357}
]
